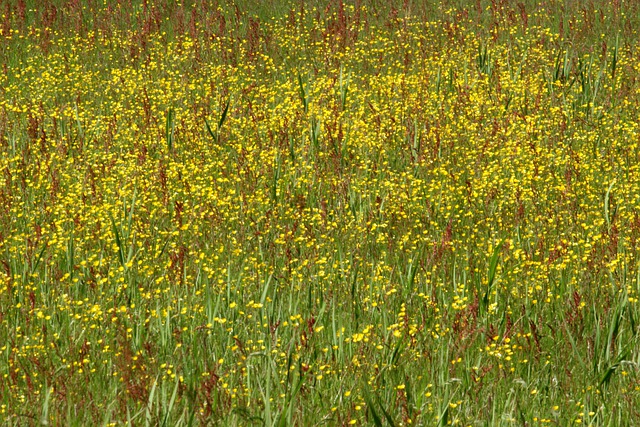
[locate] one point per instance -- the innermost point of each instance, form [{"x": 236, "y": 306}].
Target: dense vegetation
[{"x": 295, "y": 213}]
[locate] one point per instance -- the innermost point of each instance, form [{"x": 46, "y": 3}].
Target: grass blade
[
  {"x": 377, "y": 421},
  {"x": 213, "y": 135},
  {"x": 303, "y": 95},
  {"x": 118, "y": 241},
  {"x": 170, "y": 127},
  {"x": 224, "y": 114}
]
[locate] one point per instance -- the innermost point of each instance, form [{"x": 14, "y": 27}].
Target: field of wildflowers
[{"x": 303, "y": 213}]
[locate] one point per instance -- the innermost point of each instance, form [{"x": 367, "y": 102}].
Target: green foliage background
[{"x": 299, "y": 213}]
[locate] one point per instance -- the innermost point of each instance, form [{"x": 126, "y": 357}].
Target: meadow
[{"x": 319, "y": 213}]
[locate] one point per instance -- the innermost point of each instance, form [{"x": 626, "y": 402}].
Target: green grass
[{"x": 277, "y": 213}]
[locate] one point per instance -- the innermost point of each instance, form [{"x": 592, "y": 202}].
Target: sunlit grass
[{"x": 280, "y": 214}]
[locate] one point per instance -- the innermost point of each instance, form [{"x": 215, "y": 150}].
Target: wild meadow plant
[{"x": 303, "y": 213}]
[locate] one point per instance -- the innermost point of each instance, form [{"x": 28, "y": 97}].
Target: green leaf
[
  {"x": 491, "y": 274},
  {"x": 303, "y": 95},
  {"x": 213, "y": 135},
  {"x": 170, "y": 127},
  {"x": 224, "y": 114},
  {"x": 376, "y": 418},
  {"x": 385, "y": 413},
  {"x": 118, "y": 241}
]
